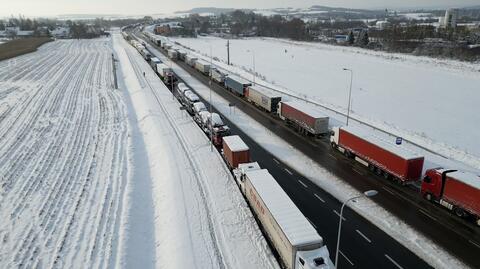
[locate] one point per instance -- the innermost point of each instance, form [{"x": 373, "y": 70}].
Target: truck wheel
[
  {"x": 334, "y": 146},
  {"x": 371, "y": 167},
  {"x": 459, "y": 212},
  {"x": 386, "y": 175},
  {"x": 378, "y": 171}
]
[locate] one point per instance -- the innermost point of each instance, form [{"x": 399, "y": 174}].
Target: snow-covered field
[
  {"x": 431, "y": 102},
  {"x": 63, "y": 155}
]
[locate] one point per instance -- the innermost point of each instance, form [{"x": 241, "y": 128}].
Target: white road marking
[
  {"x": 358, "y": 172},
  {"x": 314, "y": 226},
  {"x": 338, "y": 214},
  {"x": 333, "y": 156},
  {"x": 319, "y": 198},
  {"x": 389, "y": 191},
  {"x": 474, "y": 243},
  {"x": 428, "y": 215},
  {"x": 275, "y": 160},
  {"x": 364, "y": 236},
  {"x": 348, "y": 260},
  {"x": 393, "y": 261},
  {"x": 288, "y": 171},
  {"x": 303, "y": 184}
]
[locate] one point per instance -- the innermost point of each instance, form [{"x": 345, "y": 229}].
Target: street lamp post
[
  {"x": 253, "y": 59},
  {"x": 349, "y": 92},
  {"x": 369, "y": 193}
]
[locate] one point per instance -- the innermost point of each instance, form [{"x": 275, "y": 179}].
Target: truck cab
[
  {"x": 239, "y": 173},
  {"x": 314, "y": 259},
  {"x": 217, "y": 129},
  {"x": 433, "y": 182}
]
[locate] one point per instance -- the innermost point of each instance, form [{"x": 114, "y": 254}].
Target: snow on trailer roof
[
  {"x": 398, "y": 150},
  {"x": 266, "y": 91},
  {"x": 467, "y": 178},
  {"x": 239, "y": 79},
  {"x": 306, "y": 108},
  {"x": 235, "y": 143},
  {"x": 203, "y": 62},
  {"x": 292, "y": 222}
]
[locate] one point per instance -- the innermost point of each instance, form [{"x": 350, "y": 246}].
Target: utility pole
[
  {"x": 210, "y": 86},
  {"x": 228, "y": 52}
]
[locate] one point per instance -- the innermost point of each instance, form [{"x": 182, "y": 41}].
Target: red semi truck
[
  {"x": 389, "y": 160},
  {"x": 235, "y": 151},
  {"x": 458, "y": 191},
  {"x": 306, "y": 118}
]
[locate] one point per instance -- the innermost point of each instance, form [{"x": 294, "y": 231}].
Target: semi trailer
[{"x": 306, "y": 119}]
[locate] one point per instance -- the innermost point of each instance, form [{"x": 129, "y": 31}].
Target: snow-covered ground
[
  {"x": 406, "y": 235},
  {"x": 63, "y": 155},
  {"x": 427, "y": 101},
  {"x": 200, "y": 219}
]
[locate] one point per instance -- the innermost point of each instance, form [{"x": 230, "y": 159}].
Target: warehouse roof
[
  {"x": 293, "y": 223},
  {"x": 235, "y": 143}
]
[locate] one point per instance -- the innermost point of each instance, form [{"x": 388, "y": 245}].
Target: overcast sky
[{"x": 136, "y": 7}]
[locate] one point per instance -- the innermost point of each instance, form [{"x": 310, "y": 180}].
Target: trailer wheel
[
  {"x": 334, "y": 146},
  {"x": 371, "y": 167},
  {"x": 378, "y": 171},
  {"x": 459, "y": 212},
  {"x": 386, "y": 175}
]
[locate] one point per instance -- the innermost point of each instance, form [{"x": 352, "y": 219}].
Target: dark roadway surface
[{"x": 457, "y": 236}]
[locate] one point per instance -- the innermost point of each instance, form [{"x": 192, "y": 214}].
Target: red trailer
[
  {"x": 307, "y": 118},
  {"x": 385, "y": 159},
  {"x": 235, "y": 151},
  {"x": 458, "y": 191}
]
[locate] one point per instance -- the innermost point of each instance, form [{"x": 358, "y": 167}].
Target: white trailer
[
  {"x": 202, "y": 66},
  {"x": 217, "y": 75},
  {"x": 263, "y": 98},
  {"x": 163, "y": 70},
  {"x": 172, "y": 54},
  {"x": 190, "y": 60},
  {"x": 296, "y": 241}
]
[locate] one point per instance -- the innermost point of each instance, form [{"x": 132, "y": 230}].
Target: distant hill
[{"x": 214, "y": 10}]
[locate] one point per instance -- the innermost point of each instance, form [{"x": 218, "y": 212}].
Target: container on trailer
[
  {"x": 235, "y": 151},
  {"x": 202, "y": 66},
  {"x": 263, "y": 97},
  {"x": 182, "y": 54},
  {"x": 237, "y": 84},
  {"x": 291, "y": 234},
  {"x": 386, "y": 158},
  {"x": 217, "y": 75},
  {"x": 458, "y": 191},
  {"x": 190, "y": 60},
  {"x": 172, "y": 54},
  {"x": 307, "y": 118}
]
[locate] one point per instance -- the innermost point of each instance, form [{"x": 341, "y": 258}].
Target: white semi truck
[{"x": 291, "y": 234}]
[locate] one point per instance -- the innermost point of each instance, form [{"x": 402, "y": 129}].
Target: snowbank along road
[{"x": 63, "y": 156}]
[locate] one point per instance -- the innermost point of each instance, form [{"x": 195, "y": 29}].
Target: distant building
[
  {"x": 450, "y": 19},
  {"x": 381, "y": 25},
  {"x": 60, "y": 32}
]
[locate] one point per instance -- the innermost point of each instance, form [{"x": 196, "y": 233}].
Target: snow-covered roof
[
  {"x": 163, "y": 66},
  {"x": 398, "y": 150},
  {"x": 235, "y": 143},
  {"x": 306, "y": 108},
  {"x": 193, "y": 97},
  {"x": 292, "y": 222},
  {"x": 267, "y": 92},
  {"x": 467, "y": 178},
  {"x": 202, "y": 62},
  {"x": 199, "y": 106},
  {"x": 239, "y": 79},
  {"x": 155, "y": 60},
  {"x": 216, "y": 119},
  {"x": 244, "y": 167}
]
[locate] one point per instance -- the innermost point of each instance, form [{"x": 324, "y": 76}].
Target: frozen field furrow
[{"x": 62, "y": 157}]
